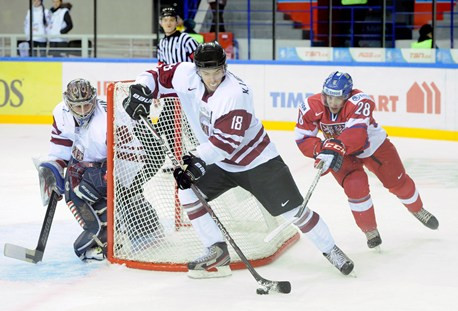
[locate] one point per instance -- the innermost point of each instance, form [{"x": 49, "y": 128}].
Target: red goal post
[{"x": 147, "y": 228}]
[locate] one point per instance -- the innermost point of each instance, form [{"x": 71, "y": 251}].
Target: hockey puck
[{"x": 262, "y": 291}]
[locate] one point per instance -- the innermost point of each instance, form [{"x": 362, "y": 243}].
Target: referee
[{"x": 176, "y": 46}]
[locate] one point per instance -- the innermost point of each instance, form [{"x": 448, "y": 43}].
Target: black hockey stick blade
[{"x": 35, "y": 255}]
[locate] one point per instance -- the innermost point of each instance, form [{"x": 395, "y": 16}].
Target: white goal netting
[{"x": 147, "y": 226}]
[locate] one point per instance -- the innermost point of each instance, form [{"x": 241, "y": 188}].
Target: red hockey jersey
[{"x": 354, "y": 125}]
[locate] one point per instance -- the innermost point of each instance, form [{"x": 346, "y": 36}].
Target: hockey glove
[
  {"x": 51, "y": 175},
  {"x": 194, "y": 169},
  {"x": 331, "y": 154},
  {"x": 139, "y": 101}
]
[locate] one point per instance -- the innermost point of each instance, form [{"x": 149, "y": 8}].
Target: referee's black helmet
[
  {"x": 209, "y": 55},
  {"x": 168, "y": 12}
]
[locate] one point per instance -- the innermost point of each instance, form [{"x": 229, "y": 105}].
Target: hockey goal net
[{"x": 147, "y": 227}]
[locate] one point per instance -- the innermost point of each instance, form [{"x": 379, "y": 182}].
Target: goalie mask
[{"x": 80, "y": 97}]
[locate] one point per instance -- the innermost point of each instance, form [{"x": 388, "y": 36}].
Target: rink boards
[{"x": 412, "y": 100}]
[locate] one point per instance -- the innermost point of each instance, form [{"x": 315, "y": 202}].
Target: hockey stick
[
  {"x": 284, "y": 225},
  {"x": 266, "y": 286},
  {"x": 35, "y": 255}
]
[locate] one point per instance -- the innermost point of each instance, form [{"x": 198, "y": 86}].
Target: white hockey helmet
[{"x": 81, "y": 98}]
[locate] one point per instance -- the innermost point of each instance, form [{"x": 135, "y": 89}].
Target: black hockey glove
[
  {"x": 332, "y": 154},
  {"x": 194, "y": 168},
  {"x": 139, "y": 101}
]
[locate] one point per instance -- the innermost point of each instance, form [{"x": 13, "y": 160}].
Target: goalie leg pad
[
  {"x": 93, "y": 221},
  {"x": 89, "y": 246}
]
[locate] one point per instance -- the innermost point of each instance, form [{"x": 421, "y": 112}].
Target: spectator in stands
[
  {"x": 61, "y": 23},
  {"x": 425, "y": 41},
  {"x": 222, "y": 5},
  {"x": 189, "y": 25},
  {"x": 40, "y": 20}
]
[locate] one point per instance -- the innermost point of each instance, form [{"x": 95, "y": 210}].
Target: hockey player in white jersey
[
  {"x": 76, "y": 165},
  {"x": 234, "y": 150}
]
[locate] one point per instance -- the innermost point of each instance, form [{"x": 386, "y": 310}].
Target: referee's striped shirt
[{"x": 176, "y": 48}]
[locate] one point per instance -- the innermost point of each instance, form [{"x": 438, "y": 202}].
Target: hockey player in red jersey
[{"x": 352, "y": 140}]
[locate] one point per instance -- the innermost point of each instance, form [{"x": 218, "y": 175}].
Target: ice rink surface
[{"x": 417, "y": 268}]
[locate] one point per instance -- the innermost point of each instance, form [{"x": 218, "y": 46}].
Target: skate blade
[{"x": 220, "y": 272}]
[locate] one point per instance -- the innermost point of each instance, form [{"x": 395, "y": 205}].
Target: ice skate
[
  {"x": 373, "y": 238},
  {"x": 95, "y": 253},
  {"x": 338, "y": 258},
  {"x": 427, "y": 219},
  {"x": 215, "y": 263}
]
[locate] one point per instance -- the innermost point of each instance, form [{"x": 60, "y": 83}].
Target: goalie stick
[
  {"x": 285, "y": 224},
  {"x": 35, "y": 255},
  {"x": 266, "y": 286}
]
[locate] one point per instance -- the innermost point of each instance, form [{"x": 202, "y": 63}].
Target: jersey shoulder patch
[{"x": 358, "y": 97}]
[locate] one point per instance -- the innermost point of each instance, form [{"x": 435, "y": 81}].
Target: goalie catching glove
[
  {"x": 331, "y": 154},
  {"x": 138, "y": 102},
  {"x": 194, "y": 169}
]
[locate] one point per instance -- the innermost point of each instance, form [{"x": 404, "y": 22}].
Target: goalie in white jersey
[
  {"x": 234, "y": 150},
  {"x": 78, "y": 144}
]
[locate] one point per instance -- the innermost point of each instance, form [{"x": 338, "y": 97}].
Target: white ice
[{"x": 417, "y": 268}]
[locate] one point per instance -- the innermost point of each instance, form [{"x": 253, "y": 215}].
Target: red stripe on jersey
[
  {"x": 154, "y": 74},
  {"x": 54, "y": 125},
  {"x": 256, "y": 151},
  {"x": 250, "y": 144},
  {"x": 166, "y": 73},
  {"x": 62, "y": 142},
  {"x": 221, "y": 144}
]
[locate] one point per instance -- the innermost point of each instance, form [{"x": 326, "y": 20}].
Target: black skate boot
[
  {"x": 373, "y": 238},
  {"x": 213, "y": 264},
  {"x": 427, "y": 219},
  {"x": 340, "y": 260}
]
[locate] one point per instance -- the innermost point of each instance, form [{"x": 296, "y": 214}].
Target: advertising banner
[
  {"x": 373, "y": 55},
  {"x": 411, "y": 101},
  {"x": 29, "y": 91},
  {"x": 407, "y": 98}
]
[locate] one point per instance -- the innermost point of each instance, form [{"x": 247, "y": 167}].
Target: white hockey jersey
[
  {"x": 87, "y": 143},
  {"x": 224, "y": 122}
]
